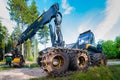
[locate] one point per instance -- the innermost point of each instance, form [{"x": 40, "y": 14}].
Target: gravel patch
[{"x": 22, "y": 74}]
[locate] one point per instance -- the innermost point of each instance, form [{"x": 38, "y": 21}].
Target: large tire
[
  {"x": 79, "y": 61},
  {"x": 39, "y": 61},
  {"x": 99, "y": 59},
  {"x": 22, "y": 63},
  {"x": 55, "y": 62}
]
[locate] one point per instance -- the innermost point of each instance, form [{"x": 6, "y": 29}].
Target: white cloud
[
  {"x": 85, "y": 25},
  {"x": 67, "y": 7},
  {"x": 112, "y": 16},
  {"x": 5, "y": 17},
  {"x": 72, "y": 38},
  {"x": 109, "y": 27}
]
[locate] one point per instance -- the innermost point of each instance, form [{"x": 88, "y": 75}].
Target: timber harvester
[
  {"x": 58, "y": 58},
  {"x": 86, "y": 41}
]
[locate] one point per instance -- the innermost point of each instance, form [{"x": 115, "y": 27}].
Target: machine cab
[{"x": 85, "y": 38}]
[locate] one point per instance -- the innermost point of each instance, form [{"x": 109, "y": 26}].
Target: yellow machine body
[{"x": 16, "y": 60}]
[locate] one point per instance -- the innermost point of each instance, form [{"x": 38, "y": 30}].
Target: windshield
[{"x": 87, "y": 38}]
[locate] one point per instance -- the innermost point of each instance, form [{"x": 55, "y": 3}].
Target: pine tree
[{"x": 3, "y": 39}]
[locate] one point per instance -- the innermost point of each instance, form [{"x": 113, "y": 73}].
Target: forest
[{"x": 24, "y": 14}]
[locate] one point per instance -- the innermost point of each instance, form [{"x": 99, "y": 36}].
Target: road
[{"x": 113, "y": 62}]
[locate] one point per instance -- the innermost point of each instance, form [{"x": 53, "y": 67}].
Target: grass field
[
  {"x": 96, "y": 73},
  {"x": 6, "y": 67}
]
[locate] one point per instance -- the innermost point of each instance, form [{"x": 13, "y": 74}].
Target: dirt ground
[
  {"x": 28, "y": 73},
  {"x": 22, "y": 74}
]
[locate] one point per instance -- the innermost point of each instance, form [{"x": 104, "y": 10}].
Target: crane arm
[{"x": 39, "y": 23}]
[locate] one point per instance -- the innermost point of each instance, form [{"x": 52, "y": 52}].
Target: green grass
[
  {"x": 7, "y": 67},
  {"x": 33, "y": 65},
  {"x": 115, "y": 71},
  {"x": 96, "y": 73}
]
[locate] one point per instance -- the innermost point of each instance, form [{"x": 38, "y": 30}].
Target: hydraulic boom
[{"x": 39, "y": 23}]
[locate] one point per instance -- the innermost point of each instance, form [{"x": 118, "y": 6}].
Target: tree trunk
[
  {"x": 23, "y": 49},
  {"x": 23, "y": 43},
  {"x": 35, "y": 48}
]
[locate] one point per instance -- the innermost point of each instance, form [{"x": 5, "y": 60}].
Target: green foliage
[
  {"x": 2, "y": 44},
  {"x": 117, "y": 44},
  {"x": 14, "y": 36},
  {"x": 3, "y": 35},
  {"x": 32, "y": 13},
  {"x": 43, "y": 35},
  {"x": 35, "y": 49},
  {"x": 24, "y": 15},
  {"x": 28, "y": 51},
  {"x": 9, "y": 45},
  {"x": 109, "y": 49},
  {"x": 16, "y": 33},
  {"x": 17, "y": 10},
  {"x": 3, "y": 39},
  {"x": 112, "y": 48}
]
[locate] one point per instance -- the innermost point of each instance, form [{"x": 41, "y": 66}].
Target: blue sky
[
  {"x": 101, "y": 16},
  {"x": 82, "y": 15},
  {"x": 75, "y": 12}
]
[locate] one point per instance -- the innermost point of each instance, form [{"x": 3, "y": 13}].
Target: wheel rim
[
  {"x": 57, "y": 62},
  {"x": 81, "y": 61}
]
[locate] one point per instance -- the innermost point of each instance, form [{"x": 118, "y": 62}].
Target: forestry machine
[
  {"x": 86, "y": 41},
  {"x": 58, "y": 58}
]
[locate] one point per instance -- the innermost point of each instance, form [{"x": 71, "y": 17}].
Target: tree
[
  {"x": 22, "y": 13},
  {"x": 29, "y": 55},
  {"x": 16, "y": 33},
  {"x": 43, "y": 35},
  {"x": 117, "y": 45},
  {"x": 9, "y": 45},
  {"x": 3, "y": 32},
  {"x": 15, "y": 36},
  {"x": 109, "y": 49},
  {"x": 17, "y": 10},
  {"x": 33, "y": 14},
  {"x": 3, "y": 39}
]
